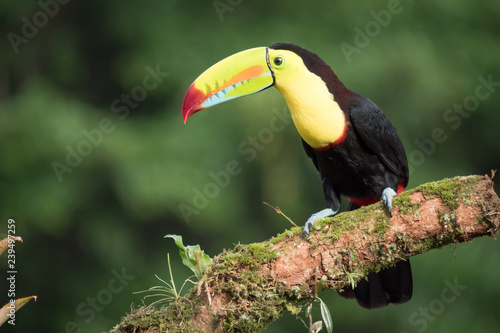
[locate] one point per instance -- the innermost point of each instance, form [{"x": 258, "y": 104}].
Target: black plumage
[{"x": 367, "y": 159}]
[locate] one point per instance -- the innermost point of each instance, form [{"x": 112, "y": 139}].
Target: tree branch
[{"x": 249, "y": 287}]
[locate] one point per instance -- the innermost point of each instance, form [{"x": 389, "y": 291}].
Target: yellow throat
[{"x": 318, "y": 118}]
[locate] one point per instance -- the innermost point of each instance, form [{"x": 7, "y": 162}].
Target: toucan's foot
[
  {"x": 387, "y": 195},
  {"x": 317, "y": 216}
]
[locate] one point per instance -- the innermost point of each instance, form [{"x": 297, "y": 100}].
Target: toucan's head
[
  {"x": 250, "y": 71},
  {"x": 311, "y": 89}
]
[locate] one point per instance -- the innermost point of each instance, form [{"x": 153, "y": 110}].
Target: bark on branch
[{"x": 247, "y": 288}]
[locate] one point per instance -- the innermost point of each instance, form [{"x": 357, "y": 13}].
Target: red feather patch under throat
[{"x": 336, "y": 143}]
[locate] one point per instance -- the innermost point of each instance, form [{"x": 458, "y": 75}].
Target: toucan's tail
[{"x": 391, "y": 285}]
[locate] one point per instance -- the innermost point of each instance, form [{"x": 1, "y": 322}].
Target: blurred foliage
[{"x": 94, "y": 234}]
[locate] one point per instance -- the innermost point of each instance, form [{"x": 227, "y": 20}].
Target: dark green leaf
[
  {"x": 327, "y": 318},
  {"x": 192, "y": 256}
]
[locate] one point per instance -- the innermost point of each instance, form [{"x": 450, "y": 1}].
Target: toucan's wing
[{"x": 378, "y": 135}]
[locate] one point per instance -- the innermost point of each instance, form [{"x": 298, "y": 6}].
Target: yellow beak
[{"x": 241, "y": 74}]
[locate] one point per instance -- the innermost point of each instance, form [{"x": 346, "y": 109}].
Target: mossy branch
[{"x": 247, "y": 288}]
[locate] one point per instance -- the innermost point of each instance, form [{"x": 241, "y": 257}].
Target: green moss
[
  {"x": 381, "y": 224},
  {"x": 451, "y": 190},
  {"x": 251, "y": 277},
  {"x": 252, "y": 256},
  {"x": 342, "y": 223},
  {"x": 296, "y": 231},
  {"x": 258, "y": 305},
  {"x": 239, "y": 276},
  {"x": 262, "y": 252},
  {"x": 403, "y": 201},
  {"x": 428, "y": 243},
  {"x": 386, "y": 255},
  {"x": 466, "y": 194},
  {"x": 403, "y": 239},
  {"x": 147, "y": 318},
  {"x": 446, "y": 189}
]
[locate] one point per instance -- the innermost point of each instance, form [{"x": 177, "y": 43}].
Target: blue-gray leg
[
  {"x": 317, "y": 216},
  {"x": 386, "y": 197}
]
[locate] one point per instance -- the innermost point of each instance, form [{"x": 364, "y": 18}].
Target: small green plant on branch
[{"x": 192, "y": 257}]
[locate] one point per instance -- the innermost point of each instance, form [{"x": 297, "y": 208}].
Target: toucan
[{"x": 355, "y": 148}]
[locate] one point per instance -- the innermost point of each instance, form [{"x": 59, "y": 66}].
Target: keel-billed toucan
[{"x": 355, "y": 148}]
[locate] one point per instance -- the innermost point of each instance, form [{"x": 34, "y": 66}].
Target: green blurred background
[{"x": 97, "y": 165}]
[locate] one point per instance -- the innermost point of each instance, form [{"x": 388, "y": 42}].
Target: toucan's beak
[{"x": 241, "y": 74}]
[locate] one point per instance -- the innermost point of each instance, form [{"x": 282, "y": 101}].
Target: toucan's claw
[
  {"x": 317, "y": 216},
  {"x": 387, "y": 195}
]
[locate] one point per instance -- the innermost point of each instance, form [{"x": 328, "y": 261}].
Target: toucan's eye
[{"x": 278, "y": 61}]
